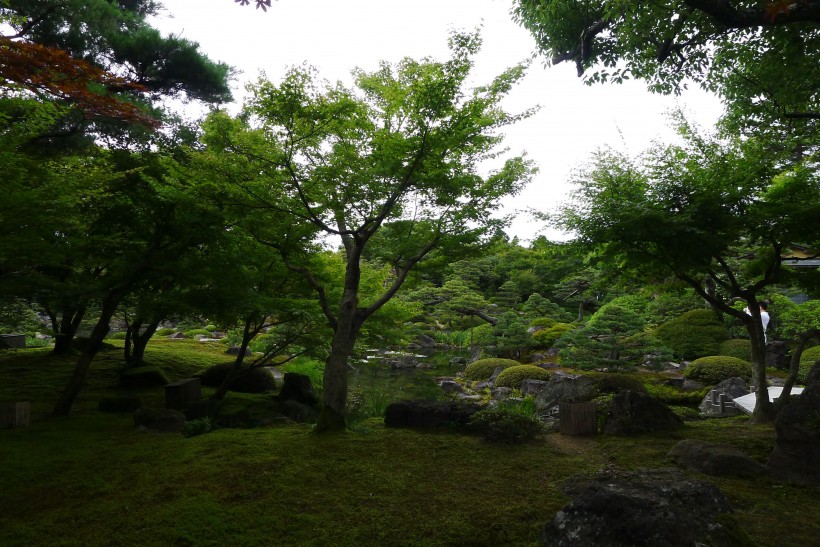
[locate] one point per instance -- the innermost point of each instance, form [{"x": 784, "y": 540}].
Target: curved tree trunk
[
  {"x": 66, "y": 328},
  {"x": 764, "y": 410},
  {"x": 135, "y": 342}
]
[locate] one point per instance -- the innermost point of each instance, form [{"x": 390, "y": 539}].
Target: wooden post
[
  {"x": 577, "y": 418},
  {"x": 15, "y": 414}
]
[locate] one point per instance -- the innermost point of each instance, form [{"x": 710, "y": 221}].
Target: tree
[
  {"x": 396, "y": 157},
  {"x": 709, "y": 213},
  {"x": 800, "y": 325}
]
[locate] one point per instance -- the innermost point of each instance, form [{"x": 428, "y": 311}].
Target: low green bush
[
  {"x": 716, "y": 368},
  {"x": 193, "y": 332},
  {"x": 165, "y": 331},
  {"x": 483, "y": 368},
  {"x": 736, "y": 347},
  {"x": 614, "y": 382},
  {"x": 807, "y": 360},
  {"x": 696, "y": 333},
  {"x": 674, "y": 396},
  {"x": 502, "y": 424},
  {"x": 546, "y": 337},
  {"x": 117, "y": 335},
  {"x": 192, "y": 428},
  {"x": 210, "y": 327},
  {"x": 545, "y": 322},
  {"x": 513, "y": 376}
]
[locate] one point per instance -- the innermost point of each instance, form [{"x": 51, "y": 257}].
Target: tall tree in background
[
  {"x": 711, "y": 213},
  {"x": 398, "y": 156}
]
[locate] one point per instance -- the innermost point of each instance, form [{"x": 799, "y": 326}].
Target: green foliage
[
  {"x": 807, "y": 360},
  {"x": 714, "y": 369},
  {"x": 200, "y": 426},
  {"x": 673, "y": 396},
  {"x": 484, "y": 368},
  {"x": 210, "y": 327},
  {"x": 165, "y": 331},
  {"x": 456, "y": 339},
  {"x": 544, "y": 322},
  {"x": 117, "y": 335},
  {"x": 501, "y": 424},
  {"x": 613, "y": 382},
  {"x": 696, "y": 333},
  {"x": 197, "y": 332},
  {"x": 736, "y": 347},
  {"x": 546, "y": 338},
  {"x": 311, "y": 368},
  {"x": 513, "y": 376}
]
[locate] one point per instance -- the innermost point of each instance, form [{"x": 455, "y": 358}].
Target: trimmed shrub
[
  {"x": 165, "y": 331},
  {"x": 694, "y": 334},
  {"x": 546, "y": 337},
  {"x": 513, "y": 376},
  {"x": 737, "y": 347},
  {"x": 807, "y": 360},
  {"x": 210, "y": 328},
  {"x": 193, "y": 332},
  {"x": 545, "y": 322},
  {"x": 716, "y": 368},
  {"x": 674, "y": 396},
  {"x": 483, "y": 368},
  {"x": 502, "y": 424},
  {"x": 612, "y": 382}
]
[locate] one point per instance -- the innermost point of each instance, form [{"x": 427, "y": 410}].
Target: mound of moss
[
  {"x": 736, "y": 347},
  {"x": 807, "y": 360},
  {"x": 484, "y": 368},
  {"x": 696, "y": 333},
  {"x": 140, "y": 377},
  {"x": 716, "y": 368},
  {"x": 513, "y": 376}
]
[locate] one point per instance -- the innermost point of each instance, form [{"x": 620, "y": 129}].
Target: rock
[
  {"x": 563, "y": 387},
  {"x": 425, "y": 341},
  {"x": 776, "y": 355},
  {"x": 159, "y": 420},
  {"x": 674, "y": 382},
  {"x": 423, "y": 366},
  {"x": 119, "y": 403},
  {"x": 458, "y": 361},
  {"x": 176, "y": 336},
  {"x": 715, "y": 459},
  {"x": 299, "y": 412},
  {"x": 657, "y": 507},
  {"x": 218, "y": 335},
  {"x": 632, "y": 413},
  {"x": 731, "y": 388},
  {"x": 297, "y": 387},
  {"x": 496, "y": 372},
  {"x": 530, "y": 387},
  {"x": 428, "y": 414},
  {"x": 796, "y": 454},
  {"x": 450, "y": 387},
  {"x": 255, "y": 380},
  {"x": 691, "y": 385},
  {"x": 139, "y": 377},
  {"x": 501, "y": 393},
  {"x": 234, "y": 350}
]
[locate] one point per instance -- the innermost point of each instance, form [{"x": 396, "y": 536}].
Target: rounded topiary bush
[
  {"x": 716, "y": 368},
  {"x": 165, "y": 331},
  {"x": 736, "y": 347},
  {"x": 696, "y": 333},
  {"x": 194, "y": 332},
  {"x": 547, "y": 337},
  {"x": 807, "y": 360},
  {"x": 504, "y": 425},
  {"x": 483, "y": 368},
  {"x": 543, "y": 322},
  {"x": 513, "y": 376},
  {"x": 257, "y": 380}
]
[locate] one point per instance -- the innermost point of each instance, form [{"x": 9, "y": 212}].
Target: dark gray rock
[
  {"x": 299, "y": 412},
  {"x": 298, "y": 387},
  {"x": 715, "y": 459},
  {"x": 234, "y": 350},
  {"x": 425, "y": 341},
  {"x": 633, "y": 413},
  {"x": 119, "y": 403},
  {"x": 496, "y": 372},
  {"x": 530, "y": 387},
  {"x": 731, "y": 388},
  {"x": 255, "y": 380},
  {"x": 159, "y": 420},
  {"x": 565, "y": 388},
  {"x": 425, "y": 414},
  {"x": 140, "y": 377},
  {"x": 796, "y": 454},
  {"x": 501, "y": 393},
  {"x": 458, "y": 361},
  {"x": 449, "y": 387},
  {"x": 658, "y": 507},
  {"x": 176, "y": 336}
]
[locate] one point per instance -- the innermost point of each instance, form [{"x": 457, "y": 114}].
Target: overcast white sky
[{"x": 338, "y": 35}]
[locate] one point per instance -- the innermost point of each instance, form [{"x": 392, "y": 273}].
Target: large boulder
[
  {"x": 731, "y": 388},
  {"x": 255, "y": 380},
  {"x": 796, "y": 454},
  {"x": 644, "y": 508},
  {"x": 425, "y": 414},
  {"x": 564, "y": 388},
  {"x": 632, "y": 413},
  {"x": 139, "y": 377},
  {"x": 715, "y": 459},
  {"x": 298, "y": 387}
]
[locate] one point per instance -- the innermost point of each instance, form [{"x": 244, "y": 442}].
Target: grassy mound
[
  {"x": 716, "y": 368},
  {"x": 513, "y": 376},
  {"x": 484, "y": 368}
]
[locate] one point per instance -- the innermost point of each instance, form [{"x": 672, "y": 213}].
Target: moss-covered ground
[{"x": 92, "y": 479}]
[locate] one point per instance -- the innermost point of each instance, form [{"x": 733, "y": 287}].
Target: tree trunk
[
  {"x": 66, "y": 329},
  {"x": 135, "y": 342},
  {"x": 794, "y": 369},
  {"x": 764, "y": 410},
  {"x": 236, "y": 369},
  {"x": 75, "y": 383}
]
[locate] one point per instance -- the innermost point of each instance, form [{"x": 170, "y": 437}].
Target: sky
[{"x": 336, "y": 36}]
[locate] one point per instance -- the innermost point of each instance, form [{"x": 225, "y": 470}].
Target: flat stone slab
[{"x": 747, "y": 402}]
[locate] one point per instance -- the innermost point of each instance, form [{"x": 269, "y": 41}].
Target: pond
[{"x": 375, "y": 382}]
